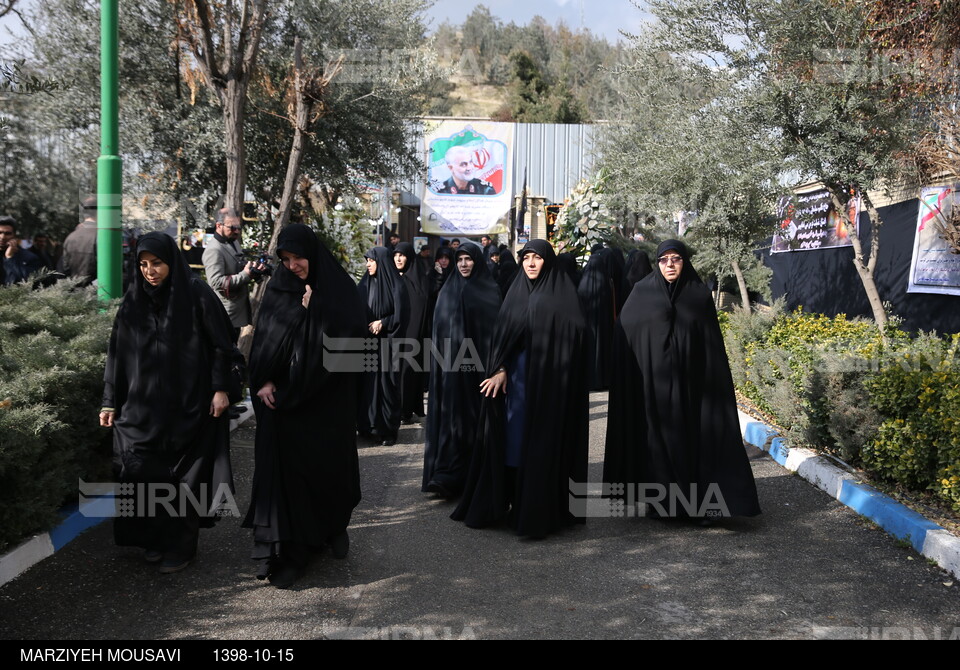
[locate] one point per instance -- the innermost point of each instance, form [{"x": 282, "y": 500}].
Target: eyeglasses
[
  {"x": 670, "y": 260},
  {"x": 233, "y": 229}
]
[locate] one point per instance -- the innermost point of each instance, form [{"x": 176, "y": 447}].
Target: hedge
[
  {"x": 53, "y": 344},
  {"x": 888, "y": 403}
]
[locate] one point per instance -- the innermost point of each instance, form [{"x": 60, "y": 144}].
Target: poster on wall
[
  {"x": 468, "y": 188},
  {"x": 809, "y": 221},
  {"x": 935, "y": 267}
]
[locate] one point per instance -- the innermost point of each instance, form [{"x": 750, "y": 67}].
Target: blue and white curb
[
  {"x": 76, "y": 519},
  {"x": 928, "y": 538}
]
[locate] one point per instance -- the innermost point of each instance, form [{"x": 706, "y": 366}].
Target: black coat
[
  {"x": 543, "y": 320},
  {"x": 463, "y": 327},
  {"x": 169, "y": 353},
  {"x": 672, "y": 411},
  {"x": 307, "y": 478}
]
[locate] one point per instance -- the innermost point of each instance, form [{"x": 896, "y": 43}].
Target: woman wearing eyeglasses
[{"x": 673, "y": 431}]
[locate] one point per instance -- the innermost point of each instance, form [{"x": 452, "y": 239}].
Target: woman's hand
[
  {"x": 219, "y": 404},
  {"x": 266, "y": 394},
  {"x": 306, "y": 297},
  {"x": 376, "y": 327},
  {"x": 106, "y": 418},
  {"x": 492, "y": 385}
]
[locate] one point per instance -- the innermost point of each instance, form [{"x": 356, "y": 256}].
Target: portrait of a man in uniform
[{"x": 459, "y": 161}]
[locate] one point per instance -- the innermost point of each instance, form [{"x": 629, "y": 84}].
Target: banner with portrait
[
  {"x": 935, "y": 267},
  {"x": 809, "y": 221},
  {"x": 468, "y": 189}
]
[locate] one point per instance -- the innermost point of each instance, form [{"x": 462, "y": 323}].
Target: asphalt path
[{"x": 806, "y": 568}]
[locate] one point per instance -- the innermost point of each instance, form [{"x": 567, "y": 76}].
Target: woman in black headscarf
[
  {"x": 388, "y": 312},
  {"x": 672, "y": 411},
  {"x": 307, "y": 478},
  {"x": 567, "y": 262},
  {"x": 443, "y": 268},
  {"x": 534, "y": 422},
  {"x": 599, "y": 301},
  {"x": 508, "y": 270},
  {"x": 418, "y": 293},
  {"x": 165, "y": 395},
  {"x": 462, "y": 331},
  {"x": 637, "y": 267}
]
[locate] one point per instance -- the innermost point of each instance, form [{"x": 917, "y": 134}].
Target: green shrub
[
  {"x": 918, "y": 443},
  {"x": 887, "y": 402},
  {"x": 53, "y": 345}
]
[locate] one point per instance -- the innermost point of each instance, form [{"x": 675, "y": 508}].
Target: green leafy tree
[
  {"x": 801, "y": 74},
  {"x": 683, "y": 148}
]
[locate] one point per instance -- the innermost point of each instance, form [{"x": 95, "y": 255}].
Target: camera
[{"x": 267, "y": 270}]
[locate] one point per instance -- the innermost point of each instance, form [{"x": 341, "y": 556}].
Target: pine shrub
[{"x": 53, "y": 344}]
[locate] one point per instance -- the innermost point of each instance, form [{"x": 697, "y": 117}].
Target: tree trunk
[
  {"x": 742, "y": 284},
  {"x": 234, "y": 99},
  {"x": 865, "y": 267},
  {"x": 301, "y": 122}
]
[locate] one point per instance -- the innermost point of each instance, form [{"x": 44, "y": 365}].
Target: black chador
[
  {"x": 169, "y": 353},
  {"x": 418, "y": 292},
  {"x": 599, "y": 301},
  {"x": 672, "y": 427},
  {"x": 388, "y": 312},
  {"x": 533, "y": 438},
  {"x": 637, "y": 267},
  {"x": 463, "y": 327},
  {"x": 507, "y": 271},
  {"x": 307, "y": 479}
]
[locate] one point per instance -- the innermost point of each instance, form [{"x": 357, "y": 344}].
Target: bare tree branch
[{"x": 6, "y": 6}]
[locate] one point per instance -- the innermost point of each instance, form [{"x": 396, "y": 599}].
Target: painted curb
[
  {"x": 76, "y": 519},
  {"x": 928, "y": 538}
]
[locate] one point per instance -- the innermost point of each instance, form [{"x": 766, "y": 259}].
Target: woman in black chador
[
  {"x": 637, "y": 267},
  {"x": 507, "y": 271},
  {"x": 418, "y": 293},
  {"x": 599, "y": 301},
  {"x": 388, "y": 312},
  {"x": 307, "y": 478},
  {"x": 165, "y": 395},
  {"x": 534, "y": 422},
  {"x": 463, "y": 326},
  {"x": 672, "y": 422}
]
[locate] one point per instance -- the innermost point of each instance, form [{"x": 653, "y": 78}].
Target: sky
[{"x": 602, "y": 17}]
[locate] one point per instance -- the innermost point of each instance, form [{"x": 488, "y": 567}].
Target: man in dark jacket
[
  {"x": 80, "y": 248},
  {"x": 18, "y": 264}
]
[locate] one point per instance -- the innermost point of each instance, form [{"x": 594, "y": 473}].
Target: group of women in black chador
[{"x": 507, "y": 418}]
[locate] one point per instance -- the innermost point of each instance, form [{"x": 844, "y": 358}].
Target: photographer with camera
[{"x": 228, "y": 273}]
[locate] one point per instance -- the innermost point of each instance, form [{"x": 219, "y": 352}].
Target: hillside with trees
[{"x": 536, "y": 73}]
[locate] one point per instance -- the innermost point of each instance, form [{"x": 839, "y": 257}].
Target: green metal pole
[{"x": 109, "y": 165}]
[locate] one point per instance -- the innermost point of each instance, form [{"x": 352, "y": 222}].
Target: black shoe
[
  {"x": 234, "y": 413},
  {"x": 406, "y": 419},
  {"x": 264, "y": 568},
  {"x": 284, "y": 576},
  {"x": 439, "y": 489},
  {"x": 173, "y": 563},
  {"x": 388, "y": 441},
  {"x": 340, "y": 545},
  {"x": 153, "y": 555}
]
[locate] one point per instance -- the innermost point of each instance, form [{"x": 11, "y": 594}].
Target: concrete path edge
[
  {"x": 928, "y": 538},
  {"x": 75, "y": 520}
]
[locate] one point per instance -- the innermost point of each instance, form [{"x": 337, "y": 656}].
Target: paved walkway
[{"x": 808, "y": 567}]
